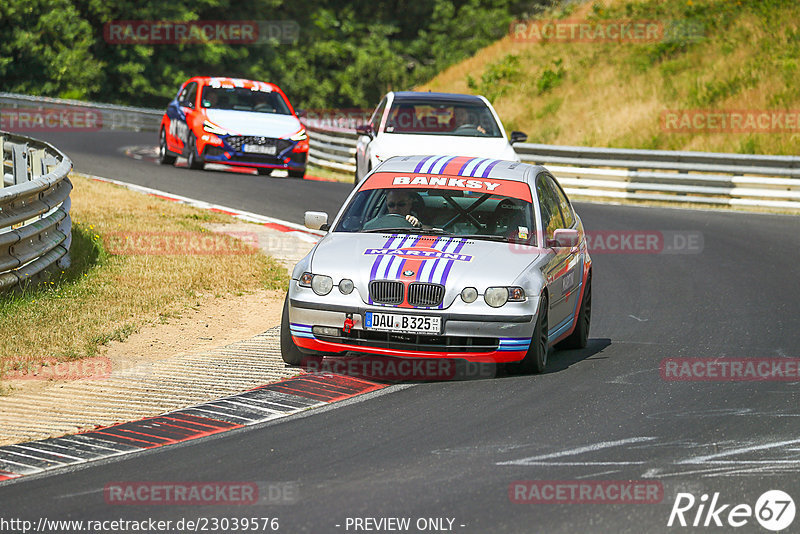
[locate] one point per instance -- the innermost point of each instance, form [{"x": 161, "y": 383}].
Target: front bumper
[
  {"x": 229, "y": 154},
  {"x": 499, "y": 338}
]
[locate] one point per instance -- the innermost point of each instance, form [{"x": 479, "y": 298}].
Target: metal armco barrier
[
  {"x": 21, "y": 109},
  {"x": 35, "y": 227},
  {"x": 671, "y": 176},
  {"x": 332, "y": 148}
]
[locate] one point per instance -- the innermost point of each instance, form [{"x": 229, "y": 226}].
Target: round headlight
[
  {"x": 469, "y": 294},
  {"x": 346, "y": 286},
  {"x": 496, "y": 296},
  {"x": 321, "y": 284}
]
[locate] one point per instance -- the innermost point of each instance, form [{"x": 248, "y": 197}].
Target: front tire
[
  {"x": 263, "y": 171},
  {"x": 580, "y": 336},
  {"x": 536, "y": 358},
  {"x": 192, "y": 158},
  {"x": 297, "y": 174},
  {"x": 165, "y": 157},
  {"x": 289, "y": 351}
]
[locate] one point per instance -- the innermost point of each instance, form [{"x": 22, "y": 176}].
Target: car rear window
[{"x": 434, "y": 118}]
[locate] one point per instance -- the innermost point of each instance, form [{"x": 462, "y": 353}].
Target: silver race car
[{"x": 444, "y": 257}]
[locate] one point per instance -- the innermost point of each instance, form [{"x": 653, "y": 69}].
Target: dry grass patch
[
  {"x": 105, "y": 296},
  {"x": 614, "y": 94},
  {"x": 330, "y": 174}
]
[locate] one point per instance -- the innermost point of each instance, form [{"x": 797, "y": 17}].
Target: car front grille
[
  {"x": 426, "y": 295},
  {"x": 257, "y": 158},
  {"x": 419, "y": 294},
  {"x": 386, "y": 291},
  {"x": 237, "y": 141},
  {"x": 417, "y": 342}
]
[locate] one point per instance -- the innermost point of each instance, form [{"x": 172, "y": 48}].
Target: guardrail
[
  {"x": 332, "y": 148},
  {"x": 35, "y": 227},
  {"x": 671, "y": 176},
  {"x": 108, "y": 116}
]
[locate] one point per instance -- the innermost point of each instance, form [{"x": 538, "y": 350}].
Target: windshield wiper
[
  {"x": 485, "y": 237},
  {"x": 402, "y": 230}
]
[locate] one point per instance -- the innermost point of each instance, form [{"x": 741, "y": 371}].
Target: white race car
[
  {"x": 443, "y": 257},
  {"x": 410, "y": 123}
]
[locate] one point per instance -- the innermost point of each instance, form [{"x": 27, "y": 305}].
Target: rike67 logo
[{"x": 774, "y": 510}]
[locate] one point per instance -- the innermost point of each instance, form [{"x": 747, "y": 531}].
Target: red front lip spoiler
[{"x": 499, "y": 356}]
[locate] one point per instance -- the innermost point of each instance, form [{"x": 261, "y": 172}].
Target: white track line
[
  {"x": 300, "y": 231},
  {"x": 579, "y": 450}
]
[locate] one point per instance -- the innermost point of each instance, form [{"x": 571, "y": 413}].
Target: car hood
[
  {"x": 455, "y": 262},
  {"x": 252, "y": 123},
  {"x": 387, "y": 145}
]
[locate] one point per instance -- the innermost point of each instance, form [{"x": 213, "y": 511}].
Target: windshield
[
  {"x": 243, "y": 99},
  {"x": 447, "y": 118},
  {"x": 479, "y": 215}
]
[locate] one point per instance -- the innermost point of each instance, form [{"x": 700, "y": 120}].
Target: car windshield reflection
[
  {"x": 479, "y": 215},
  {"x": 244, "y": 99},
  {"x": 450, "y": 118}
]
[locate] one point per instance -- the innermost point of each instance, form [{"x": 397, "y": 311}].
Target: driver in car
[
  {"x": 399, "y": 202},
  {"x": 466, "y": 120},
  {"x": 210, "y": 99}
]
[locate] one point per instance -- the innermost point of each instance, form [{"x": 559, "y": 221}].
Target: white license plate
[
  {"x": 261, "y": 149},
  {"x": 397, "y": 322}
]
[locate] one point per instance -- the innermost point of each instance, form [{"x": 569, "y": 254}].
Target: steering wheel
[
  {"x": 465, "y": 127},
  {"x": 388, "y": 220}
]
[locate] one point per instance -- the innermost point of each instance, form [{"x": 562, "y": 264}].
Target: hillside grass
[{"x": 613, "y": 94}]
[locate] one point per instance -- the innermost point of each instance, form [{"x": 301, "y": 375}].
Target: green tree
[
  {"x": 348, "y": 54},
  {"x": 46, "y": 49}
]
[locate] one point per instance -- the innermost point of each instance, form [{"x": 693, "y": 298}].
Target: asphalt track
[
  {"x": 452, "y": 449},
  {"x": 103, "y": 154}
]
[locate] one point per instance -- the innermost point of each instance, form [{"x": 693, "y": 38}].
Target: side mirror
[
  {"x": 365, "y": 129},
  {"x": 316, "y": 220},
  {"x": 518, "y": 137},
  {"x": 564, "y": 237}
]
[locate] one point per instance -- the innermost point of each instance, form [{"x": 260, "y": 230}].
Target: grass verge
[
  {"x": 328, "y": 174},
  {"x": 109, "y": 291}
]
